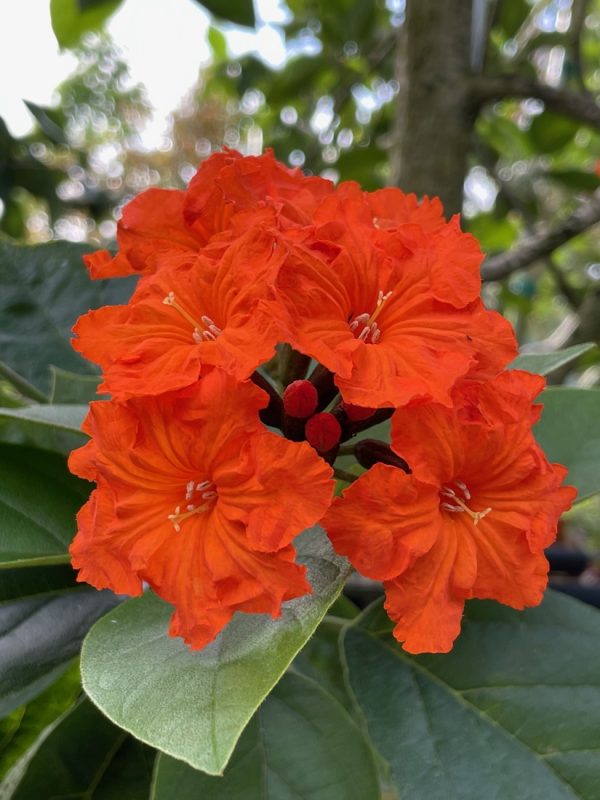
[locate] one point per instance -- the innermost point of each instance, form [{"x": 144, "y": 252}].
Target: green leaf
[
  {"x": 545, "y": 363},
  {"x": 49, "y": 427},
  {"x": 512, "y": 14},
  {"x": 569, "y": 433},
  {"x": 72, "y": 18},
  {"x": 239, "y": 11},
  {"x": 300, "y": 744},
  {"x": 83, "y": 756},
  {"x": 218, "y": 44},
  {"x": 512, "y": 712},
  {"x": 320, "y": 660},
  {"x": 575, "y": 179},
  {"x": 38, "y": 503},
  {"x": 21, "y": 582},
  {"x": 43, "y": 289},
  {"x": 195, "y": 704},
  {"x": 49, "y": 126},
  {"x": 38, "y": 638},
  {"x": 72, "y": 388},
  {"x": 551, "y": 131},
  {"x": 37, "y": 715}
]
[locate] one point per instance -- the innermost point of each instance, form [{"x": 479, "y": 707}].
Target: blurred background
[{"x": 101, "y": 99}]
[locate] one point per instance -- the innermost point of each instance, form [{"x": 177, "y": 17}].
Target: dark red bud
[
  {"x": 323, "y": 432},
  {"x": 300, "y": 399},
  {"x": 357, "y": 413}
]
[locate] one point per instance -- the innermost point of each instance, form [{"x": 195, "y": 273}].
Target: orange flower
[
  {"x": 186, "y": 320},
  {"x": 378, "y": 322},
  {"x": 229, "y": 186},
  {"x": 195, "y": 497},
  {"x": 151, "y": 232},
  {"x": 472, "y": 520}
]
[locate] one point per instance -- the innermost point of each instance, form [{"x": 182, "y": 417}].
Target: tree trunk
[{"x": 434, "y": 120}]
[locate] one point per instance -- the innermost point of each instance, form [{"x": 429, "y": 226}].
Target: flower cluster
[{"x": 276, "y": 319}]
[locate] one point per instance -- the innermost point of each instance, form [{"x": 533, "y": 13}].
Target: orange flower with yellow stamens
[
  {"x": 471, "y": 520},
  {"x": 186, "y": 320},
  {"x": 376, "y": 323},
  {"x": 199, "y": 500}
]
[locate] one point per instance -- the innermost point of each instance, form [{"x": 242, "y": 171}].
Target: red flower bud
[
  {"x": 300, "y": 399},
  {"x": 323, "y": 432},
  {"x": 357, "y": 413}
]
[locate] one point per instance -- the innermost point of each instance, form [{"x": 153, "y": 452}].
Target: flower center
[
  {"x": 370, "y": 328},
  {"x": 456, "y": 503},
  {"x": 206, "y": 330},
  {"x": 207, "y": 493}
]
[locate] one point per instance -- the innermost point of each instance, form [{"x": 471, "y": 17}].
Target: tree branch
[
  {"x": 565, "y": 101},
  {"x": 543, "y": 242}
]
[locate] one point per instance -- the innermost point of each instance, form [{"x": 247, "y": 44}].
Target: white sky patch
[
  {"x": 163, "y": 43},
  {"x": 30, "y": 63}
]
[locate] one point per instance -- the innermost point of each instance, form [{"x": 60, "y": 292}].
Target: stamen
[
  {"x": 370, "y": 329},
  {"x": 461, "y": 485},
  {"x": 449, "y": 507},
  {"x": 458, "y": 504},
  {"x": 207, "y": 488},
  {"x": 199, "y": 335}
]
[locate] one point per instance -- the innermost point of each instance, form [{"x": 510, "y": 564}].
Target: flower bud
[
  {"x": 323, "y": 432},
  {"x": 300, "y": 399},
  {"x": 357, "y": 413}
]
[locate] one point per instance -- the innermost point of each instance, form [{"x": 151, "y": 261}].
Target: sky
[{"x": 164, "y": 50}]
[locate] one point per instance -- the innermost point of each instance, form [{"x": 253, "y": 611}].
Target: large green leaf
[
  {"x": 512, "y": 712},
  {"x": 195, "y": 704},
  {"x": 72, "y": 18},
  {"x": 43, "y": 289},
  {"x": 38, "y": 503},
  {"x": 38, "y": 638},
  {"x": 569, "y": 432},
  {"x": 239, "y": 11},
  {"x": 51, "y": 427},
  {"x": 300, "y": 743},
  {"x": 81, "y": 755},
  {"x": 545, "y": 363}
]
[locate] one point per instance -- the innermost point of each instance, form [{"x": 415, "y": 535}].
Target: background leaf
[
  {"x": 21, "y": 582},
  {"x": 195, "y": 704},
  {"x": 33, "y": 718},
  {"x": 569, "y": 432},
  {"x": 545, "y": 363},
  {"x": 83, "y": 755},
  {"x": 50, "y": 427},
  {"x": 43, "y": 290},
  {"x": 512, "y": 712},
  {"x": 38, "y": 638},
  {"x": 300, "y": 743},
  {"x": 239, "y": 11},
  {"x": 38, "y": 503},
  {"x": 72, "y": 18}
]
